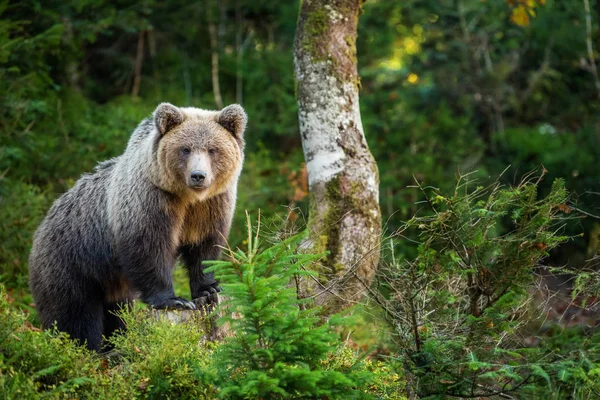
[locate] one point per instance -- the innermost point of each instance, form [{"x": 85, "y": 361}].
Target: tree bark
[
  {"x": 139, "y": 59},
  {"x": 589, "y": 44},
  {"x": 72, "y": 62},
  {"x": 239, "y": 80},
  {"x": 345, "y": 218},
  {"x": 214, "y": 47}
]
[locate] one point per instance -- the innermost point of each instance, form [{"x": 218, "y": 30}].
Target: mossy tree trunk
[{"x": 345, "y": 218}]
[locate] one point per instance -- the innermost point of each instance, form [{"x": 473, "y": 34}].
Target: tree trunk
[
  {"x": 239, "y": 80},
  {"x": 345, "y": 218},
  {"x": 139, "y": 59},
  {"x": 72, "y": 61},
  {"x": 214, "y": 47}
]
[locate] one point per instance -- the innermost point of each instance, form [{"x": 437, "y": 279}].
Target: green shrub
[
  {"x": 279, "y": 346},
  {"x": 22, "y": 208},
  {"x": 36, "y": 363},
  {"x": 164, "y": 359},
  {"x": 460, "y": 311},
  {"x": 153, "y": 359}
]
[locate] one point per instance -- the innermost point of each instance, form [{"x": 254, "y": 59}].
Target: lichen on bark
[{"x": 344, "y": 219}]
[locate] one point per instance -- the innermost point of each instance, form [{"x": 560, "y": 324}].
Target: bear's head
[{"x": 199, "y": 153}]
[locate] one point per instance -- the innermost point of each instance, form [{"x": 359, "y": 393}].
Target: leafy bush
[
  {"x": 165, "y": 359},
  {"x": 22, "y": 207},
  {"x": 34, "y": 362},
  {"x": 461, "y": 309},
  {"x": 154, "y": 359}
]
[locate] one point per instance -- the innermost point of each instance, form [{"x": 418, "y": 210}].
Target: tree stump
[{"x": 204, "y": 316}]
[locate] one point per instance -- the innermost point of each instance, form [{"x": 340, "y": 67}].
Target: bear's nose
[{"x": 198, "y": 177}]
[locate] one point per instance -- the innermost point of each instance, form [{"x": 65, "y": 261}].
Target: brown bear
[{"x": 118, "y": 233}]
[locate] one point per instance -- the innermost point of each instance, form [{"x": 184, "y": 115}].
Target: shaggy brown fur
[{"x": 118, "y": 232}]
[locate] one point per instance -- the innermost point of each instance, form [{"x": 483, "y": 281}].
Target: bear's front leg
[
  {"x": 203, "y": 285},
  {"x": 149, "y": 268}
]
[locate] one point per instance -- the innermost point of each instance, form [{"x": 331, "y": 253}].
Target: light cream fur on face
[
  {"x": 198, "y": 141},
  {"x": 155, "y": 152}
]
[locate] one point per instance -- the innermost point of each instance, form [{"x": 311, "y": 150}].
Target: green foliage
[
  {"x": 165, "y": 359},
  {"x": 34, "y": 362},
  {"x": 453, "y": 86},
  {"x": 384, "y": 383},
  {"x": 572, "y": 364},
  {"x": 587, "y": 279},
  {"x": 154, "y": 359},
  {"x": 446, "y": 86},
  {"x": 22, "y": 207},
  {"x": 462, "y": 309},
  {"x": 280, "y": 347}
]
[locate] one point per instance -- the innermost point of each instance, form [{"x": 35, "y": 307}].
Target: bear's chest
[{"x": 197, "y": 224}]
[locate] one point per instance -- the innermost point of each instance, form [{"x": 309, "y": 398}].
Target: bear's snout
[
  {"x": 197, "y": 178},
  {"x": 199, "y": 171}
]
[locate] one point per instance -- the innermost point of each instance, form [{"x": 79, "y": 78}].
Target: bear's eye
[
  {"x": 212, "y": 152},
  {"x": 186, "y": 150}
]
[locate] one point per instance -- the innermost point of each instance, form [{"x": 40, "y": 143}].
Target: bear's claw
[
  {"x": 208, "y": 298},
  {"x": 176, "y": 303}
]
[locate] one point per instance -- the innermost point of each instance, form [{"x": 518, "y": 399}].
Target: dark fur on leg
[
  {"x": 83, "y": 323},
  {"x": 113, "y": 323},
  {"x": 203, "y": 285}
]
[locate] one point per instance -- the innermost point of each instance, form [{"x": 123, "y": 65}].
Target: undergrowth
[
  {"x": 461, "y": 318},
  {"x": 279, "y": 348},
  {"x": 463, "y": 315}
]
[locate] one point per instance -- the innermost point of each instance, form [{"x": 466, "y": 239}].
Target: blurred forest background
[
  {"x": 447, "y": 87},
  {"x": 490, "y": 88}
]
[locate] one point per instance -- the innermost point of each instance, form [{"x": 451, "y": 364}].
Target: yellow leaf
[{"x": 519, "y": 16}]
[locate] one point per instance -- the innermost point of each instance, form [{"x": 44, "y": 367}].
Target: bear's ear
[
  {"x": 234, "y": 118},
  {"x": 167, "y": 117}
]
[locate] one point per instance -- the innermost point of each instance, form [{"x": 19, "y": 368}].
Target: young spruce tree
[{"x": 279, "y": 348}]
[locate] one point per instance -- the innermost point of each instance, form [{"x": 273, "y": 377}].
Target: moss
[
  {"x": 321, "y": 243},
  {"x": 314, "y": 42},
  {"x": 338, "y": 267},
  {"x": 331, "y": 220},
  {"x": 351, "y": 52},
  {"x": 325, "y": 226},
  {"x": 315, "y": 30}
]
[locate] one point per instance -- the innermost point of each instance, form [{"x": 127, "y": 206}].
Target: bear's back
[{"x": 76, "y": 228}]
